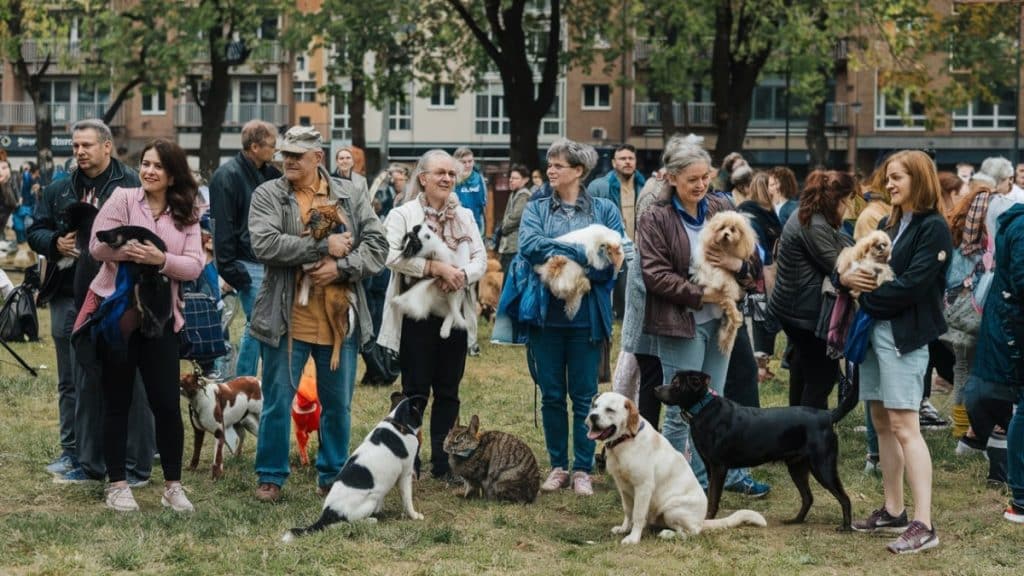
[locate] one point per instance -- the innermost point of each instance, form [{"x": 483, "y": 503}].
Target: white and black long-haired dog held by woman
[
  {"x": 385, "y": 458},
  {"x": 566, "y": 279},
  {"x": 426, "y": 297}
]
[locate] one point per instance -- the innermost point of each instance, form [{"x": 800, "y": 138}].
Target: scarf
[
  {"x": 974, "y": 225},
  {"x": 445, "y": 222},
  {"x": 702, "y": 211}
]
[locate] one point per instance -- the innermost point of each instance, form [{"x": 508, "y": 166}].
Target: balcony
[
  {"x": 697, "y": 114},
  {"x": 61, "y": 114},
  {"x": 266, "y": 52},
  {"x": 188, "y": 115},
  {"x": 643, "y": 49},
  {"x": 36, "y": 50}
]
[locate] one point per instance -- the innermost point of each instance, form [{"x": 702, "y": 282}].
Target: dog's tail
[
  {"x": 737, "y": 518},
  {"x": 326, "y": 519},
  {"x": 849, "y": 392}
]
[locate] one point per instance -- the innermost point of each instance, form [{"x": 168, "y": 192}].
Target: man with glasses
[
  {"x": 291, "y": 332},
  {"x": 230, "y": 195}
]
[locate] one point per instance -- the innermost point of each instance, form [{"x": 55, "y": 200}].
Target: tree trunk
[
  {"x": 524, "y": 121},
  {"x": 44, "y": 139},
  {"x": 668, "y": 119},
  {"x": 357, "y": 110},
  {"x": 213, "y": 109},
  {"x": 817, "y": 143}
]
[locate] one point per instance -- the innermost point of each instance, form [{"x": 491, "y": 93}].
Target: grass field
[{"x": 51, "y": 529}]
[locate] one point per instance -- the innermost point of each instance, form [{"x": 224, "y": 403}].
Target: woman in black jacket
[
  {"x": 907, "y": 315},
  {"x": 807, "y": 254},
  {"x": 758, "y": 207}
]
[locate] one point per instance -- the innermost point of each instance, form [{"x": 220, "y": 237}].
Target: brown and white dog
[
  {"x": 566, "y": 279},
  {"x": 489, "y": 289},
  {"x": 224, "y": 409},
  {"x": 871, "y": 253},
  {"x": 655, "y": 482}
]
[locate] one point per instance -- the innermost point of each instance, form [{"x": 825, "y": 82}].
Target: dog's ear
[
  {"x": 593, "y": 401},
  {"x": 396, "y": 399},
  {"x": 633, "y": 417},
  {"x": 474, "y": 425}
]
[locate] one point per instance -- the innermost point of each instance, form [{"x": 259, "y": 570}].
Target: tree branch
[{"x": 481, "y": 36}]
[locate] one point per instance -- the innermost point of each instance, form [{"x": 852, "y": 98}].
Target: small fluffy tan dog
[
  {"x": 489, "y": 289},
  {"x": 871, "y": 253},
  {"x": 566, "y": 279},
  {"x": 730, "y": 232},
  {"x": 657, "y": 486}
]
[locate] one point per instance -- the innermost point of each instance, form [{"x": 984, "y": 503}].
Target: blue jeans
[
  {"x": 281, "y": 374},
  {"x": 563, "y": 361},
  {"x": 1015, "y": 451},
  {"x": 249, "y": 347},
  {"x": 699, "y": 353}
]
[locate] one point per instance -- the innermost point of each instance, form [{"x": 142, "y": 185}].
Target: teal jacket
[{"x": 999, "y": 358}]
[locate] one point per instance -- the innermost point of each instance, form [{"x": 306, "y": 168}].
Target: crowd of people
[{"x": 950, "y": 321}]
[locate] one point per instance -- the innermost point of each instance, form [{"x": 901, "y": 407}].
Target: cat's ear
[
  {"x": 633, "y": 418},
  {"x": 474, "y": 424}
]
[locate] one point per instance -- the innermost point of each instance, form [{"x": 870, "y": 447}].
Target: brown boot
[{"x": 268, "y": 492}]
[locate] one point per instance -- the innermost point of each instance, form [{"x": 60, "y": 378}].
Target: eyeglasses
[
  {"x": 558, "y": 167},
  {"x": 442, "y": 173}
]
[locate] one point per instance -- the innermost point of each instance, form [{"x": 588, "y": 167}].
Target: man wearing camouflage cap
[{"x": 290, "y": 332}]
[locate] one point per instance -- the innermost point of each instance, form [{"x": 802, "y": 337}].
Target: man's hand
[
  {"x": 144, "y": 253},
  {"x": 719, "y": 259},
  {"x": 860, "y": 280},
  {"x": 339, "y": 245},
  {"x": 66, "y": 245},
  {"x": 325, "y": 272}
]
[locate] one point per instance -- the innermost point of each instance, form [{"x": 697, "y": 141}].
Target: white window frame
[
  {"x": 340, "y": 120},
  {"x": 896, "y": 122},
  {"x": 495, "y": 122},
  {"x": 400, "y": 116},
  {"x": 154, "y": 103},
  {"x": 595, "y": 97},
  {"x": 444, "y": 92},
  {"x": 303, "y": 89},
  {"x": 968, "y": 117},
  {"x": 553, "y": 122}
]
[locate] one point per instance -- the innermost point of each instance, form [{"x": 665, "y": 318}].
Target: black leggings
[
  {"x": 430, "y": 362},
  {"x": 157, "y": 361},
  {"x": 812, "y": 374},
  {"x": 650, "y": 378}
]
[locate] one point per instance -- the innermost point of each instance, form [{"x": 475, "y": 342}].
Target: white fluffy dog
[
  {"x": 425, "y": 297},
  {"x": 655, "y": 483},
  {"x": 729, "y": 233},
  {"x": 871, "y": 253},
  {"x": 566, "y": 279}
]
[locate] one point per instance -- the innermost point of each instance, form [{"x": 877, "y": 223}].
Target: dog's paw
[
  {"x": 621, "y": 529},
  {"x": 416, "y": 516},
  {"x": 669, "y": 534},
  {"x": 370, "y": 520},
  {"x": 631, "y": 539}
]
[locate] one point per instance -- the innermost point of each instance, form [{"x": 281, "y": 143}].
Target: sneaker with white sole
[
  {"x": 582, "y": 484},
  {"x": 968, "y": 446},
  {"x": 175, "y": 499},
  {"x": 120, "y": 498},
  {"x": 916, "y": 538},
  {"x": 1014, "y": 513},
  {"x": 76, "y": 476},
  {"x": 930, "y": 418},
  {"x": 557, "y": 479},
  {"x": 62, "y": 465},
  {"x": 881, "y": 521}
]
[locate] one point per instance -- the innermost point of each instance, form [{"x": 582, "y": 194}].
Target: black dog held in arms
[
  {"x": 728, "y": 435},
  {"x": 77, "y": 218},
  {"x": 152, "y": 289}
]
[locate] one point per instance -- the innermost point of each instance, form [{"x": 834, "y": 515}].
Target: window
[
  {"x": 898, "y": 110},
  {"x": 982, "y": 115},
  {"x": 401, "y": 116},
  {"x": 442, "y": 96},
  {"x": 154, "y": 102},
  {"x": 340, "y": 118},
  {"x": 257, "y": 91},
  {"x": 257, "y": 100},
  {"x": 551, "y": 123},
  {"x": 305, "y": 91},
  {"x": 596, "y": 97},
  {"x": 490, "y": 111}
]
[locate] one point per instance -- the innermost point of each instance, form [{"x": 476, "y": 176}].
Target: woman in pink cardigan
[{"x": 166, "y": 204}]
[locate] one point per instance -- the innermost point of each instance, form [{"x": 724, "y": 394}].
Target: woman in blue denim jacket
[{"x": 564, "y": 353}]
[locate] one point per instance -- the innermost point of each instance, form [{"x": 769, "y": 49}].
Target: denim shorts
[{"x": 896, "y": 379}]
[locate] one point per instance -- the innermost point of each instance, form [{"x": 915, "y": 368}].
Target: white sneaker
[
  {"x": 120, "y": 498},
  {"x": 174, "y": 498}
]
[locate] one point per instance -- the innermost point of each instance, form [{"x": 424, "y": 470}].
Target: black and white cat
[
  {"x": 425, "y": 297},
  {"x": 385, "y": 458}
]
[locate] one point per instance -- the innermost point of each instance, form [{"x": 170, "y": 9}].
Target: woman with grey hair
[
  {"x": 1005, "y": 194},
  {"x": 429, "y": 362},
  {"x": 564, "y": 353},
  {"x": 678, "y": 315}
]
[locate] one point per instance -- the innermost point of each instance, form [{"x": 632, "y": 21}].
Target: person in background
[
  {"x": 518, "y": 182},
  {"x": 8, "y": 196},
  {"x": 387, "y": 194},
  {"x": 951, "y": 185},
  {"x": 964, "y": 171},
  {"x": 1018, "y": 177},
  {"x": 907, "y": 315},
  {"x": 166, "y": 205},
  {"x": 765, "y": 222},
  {"x": 429, "y": 363},
  {"x": 231, "y": 188},
  {"x": 471, "y": 188},
  {"x": 345, "y": 167},
  {"x": 537, "y": 181},
  {"x": 784, "y": 192}
]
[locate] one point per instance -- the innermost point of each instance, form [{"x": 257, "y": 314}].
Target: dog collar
[
  {"x": 401, "y": 427},
  {"x": 624, "y": 437},
  {"x": 696, "y": 408}
]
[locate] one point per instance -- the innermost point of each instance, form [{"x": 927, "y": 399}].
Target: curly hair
[
  {"x": 787, "y": 182},
  {"x": 823, "y": 192},
  {"x": 183, "y": 190}
]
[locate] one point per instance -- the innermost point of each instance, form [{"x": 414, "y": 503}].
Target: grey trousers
[
  {"x": 89, "y": 426},
  {"x": 62, "y": 320}
]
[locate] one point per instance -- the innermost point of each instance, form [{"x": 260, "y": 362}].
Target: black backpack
[{"x": 19, "y": 320}]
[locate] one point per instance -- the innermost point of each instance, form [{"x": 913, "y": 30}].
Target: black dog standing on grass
[
  {"x": 728, "y": 435},
  {"x": 152, "y": 289}
]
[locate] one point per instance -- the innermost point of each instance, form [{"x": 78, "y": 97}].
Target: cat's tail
[
  {"x": 326, "y": 519},
  {"x": 737, "y": 518}
]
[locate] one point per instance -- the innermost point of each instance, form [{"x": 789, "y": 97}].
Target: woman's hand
[
  {"x": 144, "y": 253},
  {"x": 720, "y": 259},
  {"x": 858, "y": 279},
  {"x": 451, "y": 278}
]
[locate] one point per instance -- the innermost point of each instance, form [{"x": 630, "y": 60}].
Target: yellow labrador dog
[{"x": 655, "y": 482}]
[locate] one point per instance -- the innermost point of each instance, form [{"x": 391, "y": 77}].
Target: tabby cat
[{"x": 497, "y": 465}]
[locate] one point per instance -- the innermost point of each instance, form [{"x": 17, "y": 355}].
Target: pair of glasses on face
[
  {"x": 559, "y": 167},
  {"x": 442, "y": 173}
]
